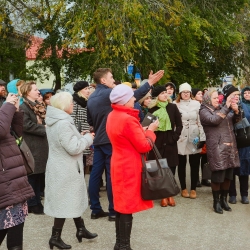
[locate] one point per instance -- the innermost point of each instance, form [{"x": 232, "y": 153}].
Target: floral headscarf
[{"x": 206, "y": 100}]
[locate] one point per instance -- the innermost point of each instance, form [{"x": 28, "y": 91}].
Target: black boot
[
  {"x": 117, "y": 232},
  {"x": 223, "y": 200},
  {"x": 82, "y": 232},
  {"x": 16, "y": 248},
  {"x": 55, "y": 239},
  {"x": 125, "y": 231},
  {"x": 217, "y": 205}
]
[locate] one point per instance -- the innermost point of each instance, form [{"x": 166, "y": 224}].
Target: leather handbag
[
  {"x": 206, "y": 171},
  {"x": 242, "y": 132},
  {"x": 28, "y": 158},
  {"x": 157, "y": 181}
]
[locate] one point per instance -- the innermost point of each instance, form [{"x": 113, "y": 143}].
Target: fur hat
[
  {"x": 229, "y": 89},
  {"x": 185, "y": 87},
  {"x": 80, "y": 85},
  {"x": 121, "y": 94},
  {"x": 157, "y": 90}
]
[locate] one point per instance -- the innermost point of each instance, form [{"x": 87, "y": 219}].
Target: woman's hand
[
  {"x": 234, "y": 107},
  {"x": 154, "y": 125},
  {"x": 92, "y": 135},
  {"x": 229, "y": 101},
  {"x": 12, "y": 98}
]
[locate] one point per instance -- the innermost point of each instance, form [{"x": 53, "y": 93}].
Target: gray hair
[{"x": 61, "y": 100}]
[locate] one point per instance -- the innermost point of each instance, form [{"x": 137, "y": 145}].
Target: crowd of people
[{"x": 100, "y": 126}]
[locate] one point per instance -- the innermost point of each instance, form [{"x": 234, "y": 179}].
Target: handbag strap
[{"x": 18, "y": 139}]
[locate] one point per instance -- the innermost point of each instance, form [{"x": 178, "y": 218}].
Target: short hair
[
  {"x": 61, "y": 100},
  {"x": 100, "y": 73},
  {"x": 26, "y": 88}
]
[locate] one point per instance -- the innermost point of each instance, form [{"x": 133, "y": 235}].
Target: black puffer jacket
[
  {"x": 14, "y": 186},
  {"x": 222, "y": 151}
]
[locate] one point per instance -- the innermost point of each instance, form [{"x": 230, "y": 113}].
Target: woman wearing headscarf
[
  {"x": 129, "y": 141},
  {"x": 168, "y": 132},
  {"x": 244, "y": 154},
  {"x": 34, "y": 135},
  {"x": 222, "y": 153},
  {"x": 198, "y": 95},
  {"x": 79, "y": 115},
  {"x": 14, "y": 186},
  {"x": 191, "y": 141}
]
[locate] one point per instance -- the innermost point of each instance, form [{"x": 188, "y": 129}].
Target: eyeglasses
[{"x": 185, "y": 92}]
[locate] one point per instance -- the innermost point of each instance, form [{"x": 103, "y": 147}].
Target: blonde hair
[
  {"x": 26, "y": 88},
  {"x": 79, "y": 93},
  {"x": 61, "y": 100},
  {"x": 155, "y": 100},
  {"x": 20, "y": 82}
]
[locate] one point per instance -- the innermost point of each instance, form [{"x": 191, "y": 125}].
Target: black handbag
[
  {"x": 206, "y": 171},
  {"x": 157, "y": 181},
  {"x": 242, "y": 132},
  {"x": 28, "y": 158}
]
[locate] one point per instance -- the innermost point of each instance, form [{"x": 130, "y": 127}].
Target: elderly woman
[
  {"x": 65, "y": 188},
  {"x": 222, "y": 153},
  {"x": 168, "y": 132},
  {"x": 14, "y": 186},
  {"x": 129, "y": 141},
  {"x": 34, "y": 135},
  {"x": 244, "y": 155},
  {"x": 191, "y": 140},
  {"x": 79, "y": 115}
]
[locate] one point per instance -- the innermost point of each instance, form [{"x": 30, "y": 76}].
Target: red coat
[{"x": 128, "y": 140}]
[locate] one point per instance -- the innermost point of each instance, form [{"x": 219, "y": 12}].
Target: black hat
[
  {"x": 80, "y": 85},
  {"x": 229, "y": 89},
  {"x": 157, "y": 90},
  {"x": 2, "y": 82},
  {"x": 195, "y": 91}
]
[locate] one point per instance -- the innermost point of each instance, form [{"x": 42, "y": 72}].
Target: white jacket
[
  {"x": 191, "y": 127},
  {"x": 65, "y": 187}
]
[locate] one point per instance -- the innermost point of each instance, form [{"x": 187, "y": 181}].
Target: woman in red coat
[{"x": 128, "y": 140}]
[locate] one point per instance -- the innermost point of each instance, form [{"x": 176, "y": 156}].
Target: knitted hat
[
  {"x": 128, "y": 84},
  {"x": 185, "y": 87},
  {"x": 157, "y": 90},
  {"x": 195, "y": 91},
  {"x": 80, "y": 85},
  {"x": 170, "y": 84},
  {"x": 144, "y": 98},
  {"x": 229, "y": 89},
  {"x": 121, "y": 94}
]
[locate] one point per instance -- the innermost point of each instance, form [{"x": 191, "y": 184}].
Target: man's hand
[{"x": 154, "y": 78}]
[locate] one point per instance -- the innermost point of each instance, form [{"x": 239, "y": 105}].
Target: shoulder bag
[
  {"x": 242, "y": 132},
  {"x": 157, "y": 181},
  {"x": 28, "y": 158}
]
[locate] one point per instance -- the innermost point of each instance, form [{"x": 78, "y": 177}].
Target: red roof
[{"x": 31, "y": 52}]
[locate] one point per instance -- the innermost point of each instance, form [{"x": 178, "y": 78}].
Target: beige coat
[{"x": 191, "y": 127}]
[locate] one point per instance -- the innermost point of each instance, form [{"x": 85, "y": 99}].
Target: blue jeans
[
  {"x": 35, "y": 183},
  {"x": 101, "y": 161}
]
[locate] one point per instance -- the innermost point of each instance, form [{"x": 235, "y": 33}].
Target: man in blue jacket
[{"x": 98, "y": 108}]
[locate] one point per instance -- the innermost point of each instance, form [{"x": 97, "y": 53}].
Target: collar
[{"x": 130, "y": 111}]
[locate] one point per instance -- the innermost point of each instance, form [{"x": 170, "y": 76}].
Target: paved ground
[{"x": 192, "y": 224}]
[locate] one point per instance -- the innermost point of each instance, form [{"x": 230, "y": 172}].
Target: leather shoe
[
  {"x": 206, "y": 183},
  {"x": 184, "y": 193},
  {"x": 232, "y": 199},
  {"x": 244, "y": 200},
  {"x": 112, "y": 218},
  {"x": 193, "y": 194},
  {"x": 198, "y": 184},
  {"x": 101, "y": 214},
  {"x": 171, "y": 201},
  {"x": 164, "y": 202}
]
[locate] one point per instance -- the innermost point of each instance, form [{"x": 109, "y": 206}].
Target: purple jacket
[
  {"x": 222, "y": 151},
  {"x": 14, "y": 186}
]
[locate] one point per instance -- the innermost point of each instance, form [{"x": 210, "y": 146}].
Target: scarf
[
  {"x": 80, "y": 100},
  {"x": 38, "y": 108},
  {"x": 164, "y": 120},
  {"x": 144, "y": 110}
]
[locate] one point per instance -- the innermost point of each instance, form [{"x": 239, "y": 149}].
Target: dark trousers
[
  {"x": 243, "y": 179},
  {"x": 35, "y": 182},
  {"x": 203, "y": 161},
  {"x": 194, "y": 161},
  {"x": 14, "y": 236},
  {"x": 101, "y": 161}
]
